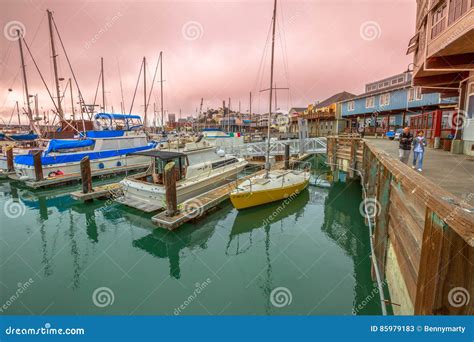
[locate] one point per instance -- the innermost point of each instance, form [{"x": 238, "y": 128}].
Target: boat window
[{"x": 225, "y": 162}]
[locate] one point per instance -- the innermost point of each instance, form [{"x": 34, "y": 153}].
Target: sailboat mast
[
  {"x": 55, "y": 65},
  {"x": 144, "y": 91},
  {"x": 103, "y": 83},
  {"x": 161, "y": 91},
  {"x": 25, "y": 84},
  {"x": 18, "y": 113},
  {"x": 72, "y": 100},
  {"x": 267, "y": 157}
]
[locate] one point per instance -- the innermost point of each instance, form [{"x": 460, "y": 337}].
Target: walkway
[{"x": 452, "y": 172}]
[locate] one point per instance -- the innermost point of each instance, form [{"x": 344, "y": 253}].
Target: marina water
[{"x": 308, "y": 255}]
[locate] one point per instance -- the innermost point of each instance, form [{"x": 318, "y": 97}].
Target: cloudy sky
[{"x": 214, "y": 49}]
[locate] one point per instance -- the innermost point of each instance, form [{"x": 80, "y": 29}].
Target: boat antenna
[
  {"x": 144, "y": 93},
  {"x": 267, "y": 156},
  {"x": 103, "y": 83}
]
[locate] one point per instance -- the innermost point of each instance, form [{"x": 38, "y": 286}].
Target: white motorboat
[{"x": 147, "y": 191}]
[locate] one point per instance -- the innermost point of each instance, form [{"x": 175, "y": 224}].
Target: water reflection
[{"x": 345, "y": 226}]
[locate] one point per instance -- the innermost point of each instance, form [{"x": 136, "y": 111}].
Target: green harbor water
[{"x": 308, "y": 257}]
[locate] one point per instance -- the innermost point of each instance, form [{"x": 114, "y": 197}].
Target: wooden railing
[{"x": 430, "y": 231}]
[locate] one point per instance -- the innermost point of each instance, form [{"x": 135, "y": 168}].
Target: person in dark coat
[{"x": 404, "y": 148}]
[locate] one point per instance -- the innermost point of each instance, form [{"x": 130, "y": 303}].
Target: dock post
[
  {"x": 170, "y": 189},
  {"x": 287, "y": 156},
  {"x": 86, "y": 176},
  {"x": 9, "y": 152},
  {"x": 38, "y": 166}
]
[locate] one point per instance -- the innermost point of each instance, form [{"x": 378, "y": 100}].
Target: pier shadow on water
[{"x": 307, "y": 255}]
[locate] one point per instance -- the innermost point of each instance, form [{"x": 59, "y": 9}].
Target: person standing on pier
[
  {"x": 419, "y": 144},
  {"x": 404, "y": 148}
]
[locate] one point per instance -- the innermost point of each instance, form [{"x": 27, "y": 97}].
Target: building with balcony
[{"x": 443, "y": 62}]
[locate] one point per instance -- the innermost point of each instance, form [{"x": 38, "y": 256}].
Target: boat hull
[
  {"x": 150, "y": 197},
  {"x": 102, "y": 166},
  {"x": 244, "y": 200}
]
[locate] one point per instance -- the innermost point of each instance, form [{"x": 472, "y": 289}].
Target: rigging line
[
  {"x": 136, "y": 87},
  {"x": 81, "y": 98},
  {"x": 11, "y": 116},
  {"x": 46, "y": 86},
  {"x": 153, "y": 82}
]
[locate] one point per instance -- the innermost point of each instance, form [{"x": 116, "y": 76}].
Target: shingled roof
[{"x": 334, "y": 99}]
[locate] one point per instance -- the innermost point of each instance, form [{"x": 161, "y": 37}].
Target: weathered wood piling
[
  {"x": 9, "y": 154},
  {"x": 38, "y": 166},
  {"x": 170, "y": 189}
]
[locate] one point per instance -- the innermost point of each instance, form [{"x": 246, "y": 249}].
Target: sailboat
[{"x": 273, "y": 185}]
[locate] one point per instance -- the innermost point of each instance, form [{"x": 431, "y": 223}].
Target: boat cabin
[{"x": 159, "y": 161}]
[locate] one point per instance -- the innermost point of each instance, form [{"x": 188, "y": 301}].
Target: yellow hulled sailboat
[
  {"x": 274, "y": 185},
  {"x": 277, "y": 186}
]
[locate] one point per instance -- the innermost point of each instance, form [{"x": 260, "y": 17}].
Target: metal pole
[
  {"x": 144, "y": 91},
  {"x": 72, "y": 101},
  {"x": 103, "y": 83},
  {"x": 55, "y": 65},
  {"x": 161, "y": 82},
  {"x": 25, "y": 83}
]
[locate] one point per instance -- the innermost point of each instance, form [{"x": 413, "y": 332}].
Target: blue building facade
[{"x": 388, "y": 103}]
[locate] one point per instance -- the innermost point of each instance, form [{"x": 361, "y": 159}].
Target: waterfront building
[
  {"x": 324, "y": 118},
  {"x": 389, "y": 103},
  {"x": 443, "y": 55}
]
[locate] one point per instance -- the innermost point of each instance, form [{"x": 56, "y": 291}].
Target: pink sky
[{"x": 323, "y": 49}]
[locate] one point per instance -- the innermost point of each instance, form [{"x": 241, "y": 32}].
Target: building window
[
  {"x": 350, "y": 105},
  {"x": 401, "y": 79},
  {"x": 385, "y": 99},
  {"x": 456, "y": 9},
  {"x": 438, "y": 22},
  {"x": 386, "y": 84},
  {"x": 370, "y": 102},
  {"x": 414, "y": 94}
]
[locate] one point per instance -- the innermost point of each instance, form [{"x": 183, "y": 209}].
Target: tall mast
[
  {"x": 72, "y": 100},
  {"x": 55, "y": 65},
  {"x": 267, "y": 157},
  {"x": 103, "y": 83},
  {"x": 18, "y": 113},
  {"x": 25, "y": 84},
  {"x": 250, "y": 111},
  {"x": 144, "y": 91},
  {"x": 161, "y": 91}
]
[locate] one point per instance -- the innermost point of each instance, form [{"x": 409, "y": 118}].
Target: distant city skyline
[{"x": 211, "y": 49}]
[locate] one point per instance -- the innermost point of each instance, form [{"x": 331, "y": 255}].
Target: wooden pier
[
  {"x": 424, "y": 235},
  {"x": 196, "y": 207}
]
